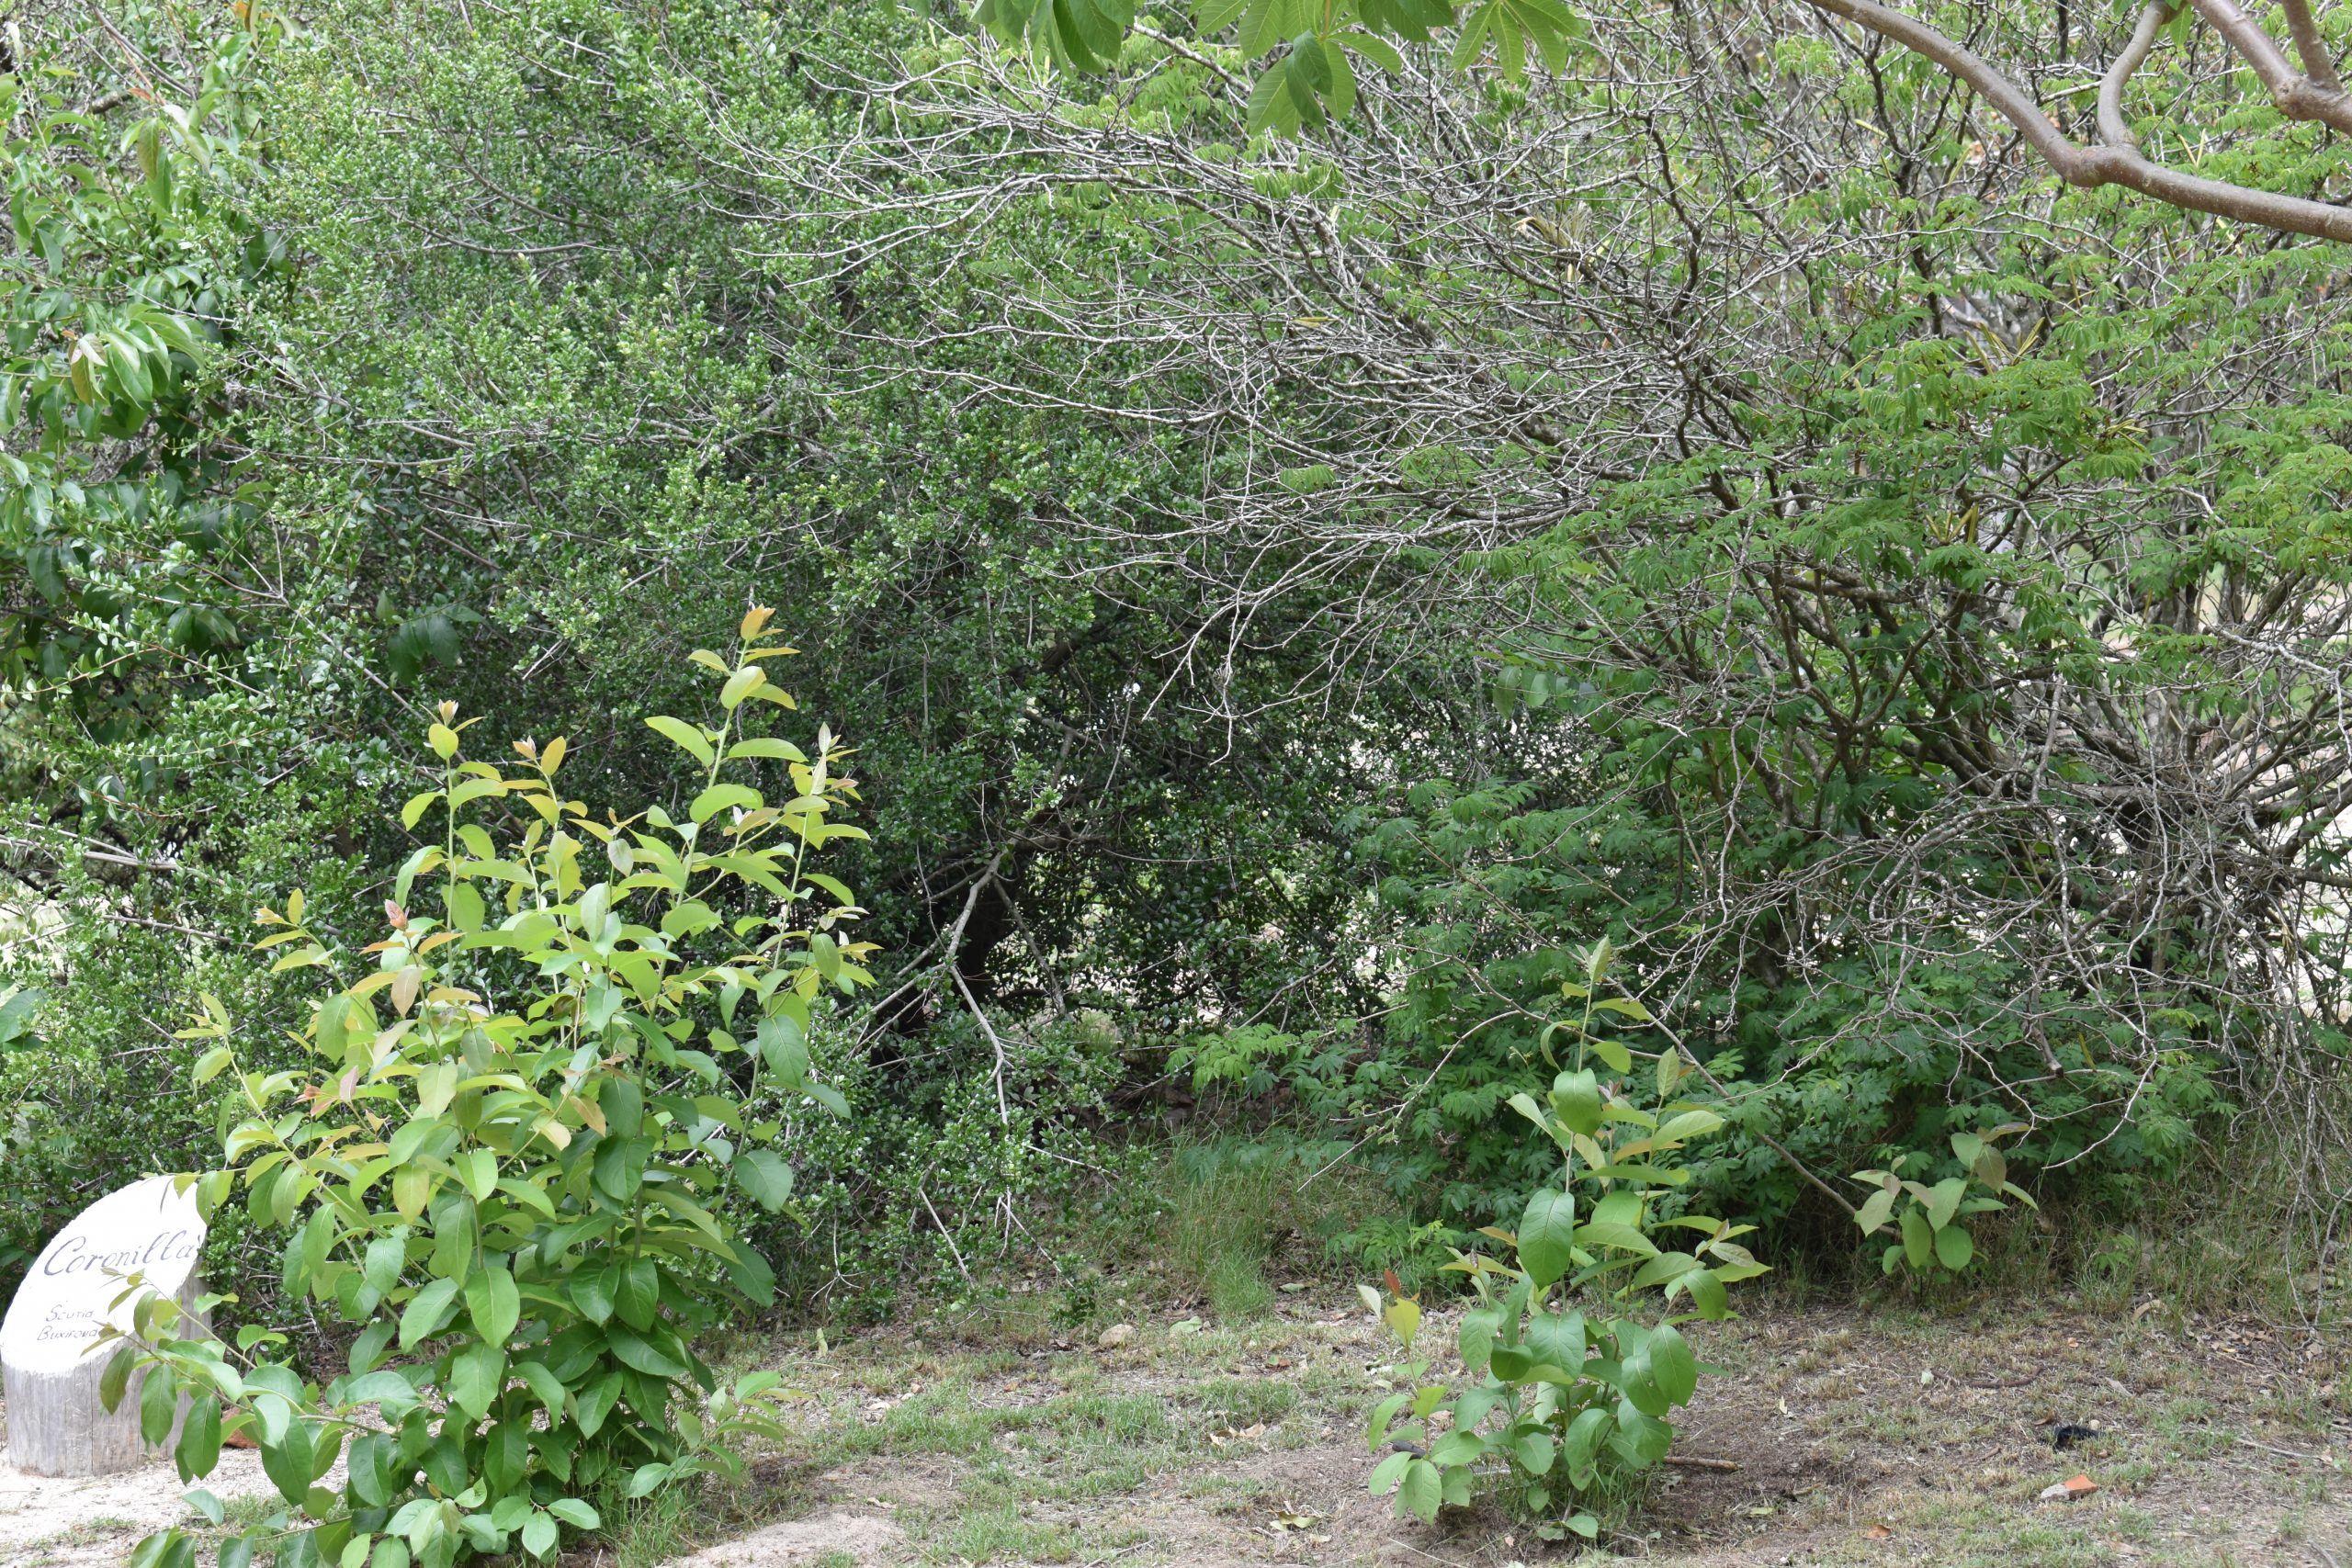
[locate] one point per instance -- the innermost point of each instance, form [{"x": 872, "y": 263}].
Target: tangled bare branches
[
  {"x": 2314, "y": 92},
  {"x": 1757, "y": 381}
]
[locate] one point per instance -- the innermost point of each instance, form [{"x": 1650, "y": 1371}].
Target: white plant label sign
[{"x": 147, "y": 1228}]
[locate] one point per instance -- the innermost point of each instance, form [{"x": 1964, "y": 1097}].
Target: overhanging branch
[{"x": 2118, "y": 161}]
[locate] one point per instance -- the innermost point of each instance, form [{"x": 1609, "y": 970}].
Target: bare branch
[
  {"x": 2297, "y": 96},
  {"x": 2112, "y": 129},
  {"x": 2122, "y": 165},
  {"x": 2309, "y": 45}
]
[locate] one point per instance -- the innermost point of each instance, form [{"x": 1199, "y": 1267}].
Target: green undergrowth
[{"x": 1228, "y": 1227}]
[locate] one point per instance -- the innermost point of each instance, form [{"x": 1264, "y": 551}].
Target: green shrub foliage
[
  {"x": 506, "y": 1156},
  {"x": 1570, "y": 1390},
  {"x": 1914, "y": 584}
]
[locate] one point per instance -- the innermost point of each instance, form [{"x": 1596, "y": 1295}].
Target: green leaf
[
  {"x": 1637, "y": 1376},
  {"x": 367, "y": 1349},
  {"x": 721, "y": 797},
  {"x": 637, "y": 1292},
  {"x": 116, "y": 1377},
  {"x": 289, "y": 1461},
  {"x": 689, "y": 738},
  {"x": 635, "y": 1351},
  {"x": 506, "y": 1453},
  {"x": 1943, "y": 1200},
  {"x": 493, "y": 1302},
  {"x": 1376, "y": 1430},
  {"x": 574, "y": 1512},
  {"x": 383, "y": 1261},
  {"x": 767, "y": 747},
  {"x": 1603, "y": 1233},
  {"x": 1557, "y": 1337},
  {"x": 1688, "y": 1125},
  {"x": 1611, "y": 1053},
  {"x": 592, "y": 1291},
  {"x": 1547, "y": 1235},
  {"x": 619, "y": 1169},
  {"x": 1512, "y": 1364},
  {"x": 624, "y": 1105},
  {"x": 1642, "y": 1438},
  {"x": 1954, "y": 1247},
  {"x": 478, "y": 1171},
  {"x": 427, "y": 1312},
  {"x": 159, "y": 1401},
  {"x": 1457, "y": 1448},
  {"x": 1672, "y": 1365},
  {"x": 1706, "y": 1292},
  {"x": 545, "y": 1387},
  {"x": 738, "y": 686},
  {"x": 1918, "y": 1237},
  {"x": 1379, "y": 51},
  {"x": 1481, "y": 1327},
  {"x": 1577, "y": 1100},
  {"x": 765, "y": 1176},
  {"x": 1271, "y": 108},
  {"x": 539, "y": 1535},
  {"x": 1585, "y": 1436},
  {"x": 596, "y": 1401},
  {"x": 784, "y": 1048},
  {"x": 370, "y": 1469},
  {"x": 1876, "y": 1209},
  {"x": 475, "y": 1375},
  {"x": 198, "y": 1449},
  {"x": 390, "y": 1391},
  {"x": 1423, "y": 1490}
]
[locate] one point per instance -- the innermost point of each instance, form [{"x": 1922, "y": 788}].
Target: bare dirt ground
[
  {"x": 91, "y": 1521},
  {"x": 1840, "y": 1435}
]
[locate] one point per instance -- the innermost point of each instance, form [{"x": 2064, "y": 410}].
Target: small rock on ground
[{"x": 1118, "y": 1334}]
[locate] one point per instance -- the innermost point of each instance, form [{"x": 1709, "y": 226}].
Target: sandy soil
[
  {"x": 1837, "y": 1437},
  {"x": 90, "y": 1522}
]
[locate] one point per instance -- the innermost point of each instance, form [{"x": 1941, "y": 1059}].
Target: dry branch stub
[{"x": 50, "y": 1361}]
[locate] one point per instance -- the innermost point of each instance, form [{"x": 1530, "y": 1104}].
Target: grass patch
[{"x": 1222, "y": 1230}]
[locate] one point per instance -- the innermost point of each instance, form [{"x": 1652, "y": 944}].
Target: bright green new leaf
[{"x": 1547, "y": 1235}]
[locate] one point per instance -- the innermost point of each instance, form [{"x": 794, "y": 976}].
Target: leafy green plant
[
  {"x": 1927, "y": 1233},
  {"x": 1569, "y": 1391},
  {"x": 522, "y": 1203},
  {"x": 132, "y": 249}
]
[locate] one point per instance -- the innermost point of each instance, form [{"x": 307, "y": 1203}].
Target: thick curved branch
[
  {"x": 2110, "y": 165},
  {"x": 2309, "y": 45},
  {"x": 2010, "y": 101},
  {"x": 2113, "y": 129},
  {"x": 2297, "y": 96}
]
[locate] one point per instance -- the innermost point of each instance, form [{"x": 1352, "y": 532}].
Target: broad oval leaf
[{"x": 1547, "y": 1235}]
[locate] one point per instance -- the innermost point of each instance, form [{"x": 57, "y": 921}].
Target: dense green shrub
[
  {"x": 503, "y": 1157},
  {"x": 532, "y": 486},
  {"x": 1569, "y": 1406}
]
